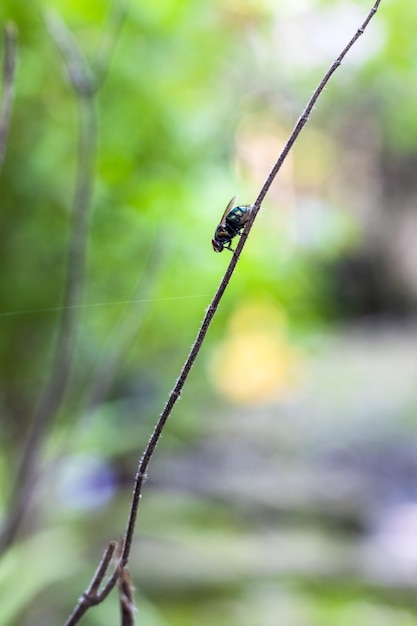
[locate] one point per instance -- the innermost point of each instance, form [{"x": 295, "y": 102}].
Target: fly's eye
[{"x": 217, "y": 246}]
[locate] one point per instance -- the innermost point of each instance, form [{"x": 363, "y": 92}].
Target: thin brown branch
[
  {"x": 143, "y": 465},
  {"x": 195, "y": 349},
  {"x": 9, "y": 67}
]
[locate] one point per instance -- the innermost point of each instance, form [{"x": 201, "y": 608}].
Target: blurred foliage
[{"x": 198, "y": 101}]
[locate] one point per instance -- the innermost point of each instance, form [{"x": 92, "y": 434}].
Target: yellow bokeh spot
[{"x": 255, "y": 363}]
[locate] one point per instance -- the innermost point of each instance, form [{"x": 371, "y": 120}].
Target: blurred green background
[{"x": 284, "y": 489}]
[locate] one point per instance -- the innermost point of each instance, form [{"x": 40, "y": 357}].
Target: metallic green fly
[{"x": 233, "y": 220}]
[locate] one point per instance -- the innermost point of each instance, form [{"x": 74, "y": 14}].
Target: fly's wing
[{"x": 229, "y": 207}]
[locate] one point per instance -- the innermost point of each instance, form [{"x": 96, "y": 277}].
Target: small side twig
[
  {"x": 91, "y": 596},
  {"x": 141, "y": 473},
  {"x": 127, "y": 607},
  {"x": 9, "y": 68}
]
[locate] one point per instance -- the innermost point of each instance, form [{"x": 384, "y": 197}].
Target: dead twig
[{"x": 127, "y": 607}]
